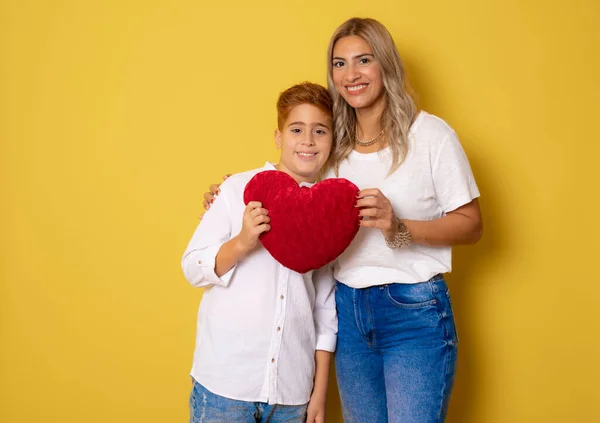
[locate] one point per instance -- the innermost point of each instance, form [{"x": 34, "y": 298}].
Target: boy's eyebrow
[
  {"x": 304, "y": 124},
  {"x": 358, "y": 56}
]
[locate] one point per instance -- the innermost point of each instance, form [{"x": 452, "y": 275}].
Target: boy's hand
[
  {"x": 255, "y": 223},
  {"x": 315, "y": 413}
]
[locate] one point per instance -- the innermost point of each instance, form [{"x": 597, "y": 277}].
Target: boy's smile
[{"x": 305, "y": 141}]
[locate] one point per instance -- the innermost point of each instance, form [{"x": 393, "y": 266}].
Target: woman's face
[{"x": 356, "y": 73}]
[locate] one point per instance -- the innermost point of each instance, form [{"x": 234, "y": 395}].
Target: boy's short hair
[{"x": 303, "y": 93}]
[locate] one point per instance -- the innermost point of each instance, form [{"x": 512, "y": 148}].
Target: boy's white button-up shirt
[{"x": 260, "y": 323}]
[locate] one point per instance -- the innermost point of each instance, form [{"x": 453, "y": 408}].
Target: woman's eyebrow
[{"x": 358, "y": 56}]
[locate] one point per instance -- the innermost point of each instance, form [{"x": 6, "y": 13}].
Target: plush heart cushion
[{"x": 310, "y": 227}]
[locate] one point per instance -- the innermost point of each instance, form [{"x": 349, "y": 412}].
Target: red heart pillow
[{"x": 310, "y": 227}]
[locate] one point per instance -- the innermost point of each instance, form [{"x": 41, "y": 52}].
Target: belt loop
[{"x": 433, "y": 282}]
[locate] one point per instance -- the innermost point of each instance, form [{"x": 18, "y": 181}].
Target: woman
[{"x": 396, "y": 352}]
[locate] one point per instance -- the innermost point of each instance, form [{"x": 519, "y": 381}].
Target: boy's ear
[{"x": 278, "y": 138}]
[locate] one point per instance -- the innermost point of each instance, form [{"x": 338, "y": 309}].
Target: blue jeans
[
  {"x": 396, "y": 352},
  {"x": 206, "y": 407}
]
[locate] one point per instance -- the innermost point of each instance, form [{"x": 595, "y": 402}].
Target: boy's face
[{"x": 305, "y": 141}]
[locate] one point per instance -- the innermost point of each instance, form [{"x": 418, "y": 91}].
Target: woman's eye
[
  {"x": 364, "y": 61},
  {"x": 338, "y": 64}
]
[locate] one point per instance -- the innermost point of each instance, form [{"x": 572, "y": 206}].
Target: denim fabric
[
  {"x": 206, "y": 407},
  {"x": 396, "y": 352}
]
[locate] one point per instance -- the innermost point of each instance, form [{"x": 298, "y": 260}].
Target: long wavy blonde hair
[{"x": 400, "y": 109}]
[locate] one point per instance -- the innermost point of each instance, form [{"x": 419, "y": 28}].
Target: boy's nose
[{"x": 308, "y": 140}]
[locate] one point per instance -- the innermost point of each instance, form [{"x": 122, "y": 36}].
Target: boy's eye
[{"x": 296, "y": 130}]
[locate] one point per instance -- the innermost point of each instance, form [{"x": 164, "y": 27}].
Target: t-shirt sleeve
[{"x": 453, "y": 178}]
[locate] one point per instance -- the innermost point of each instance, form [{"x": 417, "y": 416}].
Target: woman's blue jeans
[{"x": 396, "y": 352}]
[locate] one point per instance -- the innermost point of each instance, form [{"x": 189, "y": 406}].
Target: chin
[
  {"x": 308, "y": 172},
  {"x": 313, "y": 172},
  {"x": 361, "y": 104}
]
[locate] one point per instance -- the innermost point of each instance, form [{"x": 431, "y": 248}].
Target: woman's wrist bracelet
[{"x": 402, "y": 238}]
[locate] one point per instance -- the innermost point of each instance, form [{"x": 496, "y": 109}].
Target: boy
[{"x": 265, "y": 333}]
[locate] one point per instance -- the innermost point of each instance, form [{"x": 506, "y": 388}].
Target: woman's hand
[
  {"x": 377, "y": 207},
  {"x": 213, "y": 191},
  {"x": 255, "y": 222}
]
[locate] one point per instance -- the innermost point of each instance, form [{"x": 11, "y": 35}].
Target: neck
[
  {"x": 310, "y": 179},
  {"x": 369, "y": 126},
  {"x": 369, "y": 121}
]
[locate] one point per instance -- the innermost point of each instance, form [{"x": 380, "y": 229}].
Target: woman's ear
[{"x": 278, "y": 139}]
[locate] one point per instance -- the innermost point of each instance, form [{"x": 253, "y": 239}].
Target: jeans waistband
[{"x": 437, "y": 284}]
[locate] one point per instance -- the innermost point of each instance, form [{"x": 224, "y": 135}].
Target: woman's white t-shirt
[{"x": 434, "y": 179}]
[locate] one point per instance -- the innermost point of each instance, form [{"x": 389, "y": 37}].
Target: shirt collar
[{"x": 271, "y": 166}]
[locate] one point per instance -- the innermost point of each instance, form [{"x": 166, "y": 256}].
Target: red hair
[{"x": 304, "y": 93}]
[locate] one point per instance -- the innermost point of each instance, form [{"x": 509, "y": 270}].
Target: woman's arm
[{"x": 460, "y": 226}]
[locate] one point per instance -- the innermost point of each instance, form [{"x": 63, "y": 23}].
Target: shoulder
[
  {"x": 242, "y": 178},
  {"x": 428, "y": 127},
  {"x": 235, "y": 184}
]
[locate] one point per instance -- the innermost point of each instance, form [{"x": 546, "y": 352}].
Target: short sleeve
[{"x": 453, "y": 178}]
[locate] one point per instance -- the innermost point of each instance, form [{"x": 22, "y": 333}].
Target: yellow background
[{"x": 116, "y": 115}]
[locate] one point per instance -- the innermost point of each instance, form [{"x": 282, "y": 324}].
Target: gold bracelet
[{"x": 402, "y": 238}]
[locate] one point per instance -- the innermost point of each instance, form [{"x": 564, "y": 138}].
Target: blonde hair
[{"x": 400, "y": 109}]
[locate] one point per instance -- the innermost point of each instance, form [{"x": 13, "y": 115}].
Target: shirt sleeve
[
  {"x": 324, "y": 313},
  {"x": 452, "y": 176},
  {"x": 214, "y": 230}
]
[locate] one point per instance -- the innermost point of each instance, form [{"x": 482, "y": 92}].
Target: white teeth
[
  {"x": 306, "y": 154},
  {"x": 358, "y": 87}
]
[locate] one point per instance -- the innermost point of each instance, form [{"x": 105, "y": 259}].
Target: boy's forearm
[
  {"x": 322, "y": 363},
  {"x": 228, "y": 256}
]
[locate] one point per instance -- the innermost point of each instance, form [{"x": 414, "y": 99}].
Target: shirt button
[
  {"x": 272, "y": 360},
  {"x": 278, "y": 328},
  {"x": 199, "y": 261},
  {"x": 281, "y": 297}
]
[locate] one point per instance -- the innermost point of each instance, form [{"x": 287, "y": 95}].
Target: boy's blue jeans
[
  {"x": 396, "y": 352},
  {"x": 206, "y": 407}
]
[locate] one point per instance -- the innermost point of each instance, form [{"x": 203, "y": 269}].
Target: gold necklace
[{"x": 370, "y": 142}]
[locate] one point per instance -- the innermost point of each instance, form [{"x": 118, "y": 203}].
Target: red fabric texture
[{"x": 310, "y": 227}]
